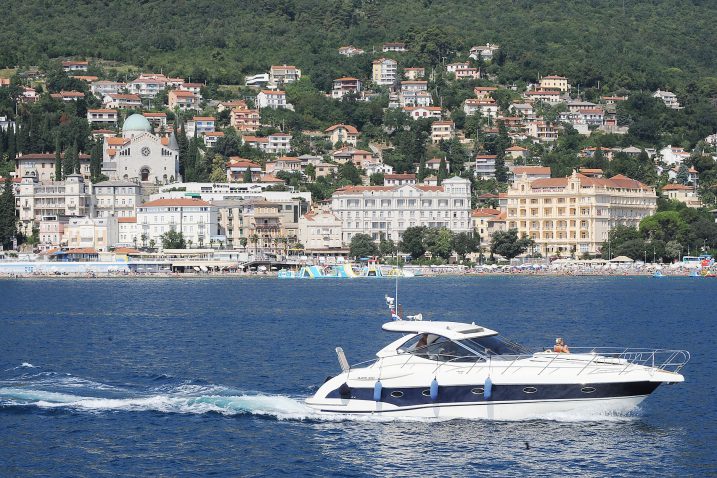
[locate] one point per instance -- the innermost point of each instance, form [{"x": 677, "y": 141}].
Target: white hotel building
[
  {"x": 391, "y": 210},
  {"x": 194, "y": 218}
]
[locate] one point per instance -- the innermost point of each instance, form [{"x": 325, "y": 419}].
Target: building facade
[
  {"x": 390, "y": 210},
  {"x": 194, "y": 218},
  {"x": 573, "y": 215}
]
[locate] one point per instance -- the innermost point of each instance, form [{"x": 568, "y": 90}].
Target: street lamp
[{"x": 645, "y": 260}]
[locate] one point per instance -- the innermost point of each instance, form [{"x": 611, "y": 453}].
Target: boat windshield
[
  {"x": 438, "y": 348},
  {"x": 494, "y": 345}
]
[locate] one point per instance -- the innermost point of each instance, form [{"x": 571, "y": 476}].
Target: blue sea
[{"x": 206, "y": 377}]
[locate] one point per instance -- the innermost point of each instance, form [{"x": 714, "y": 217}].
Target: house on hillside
[{"x": 342, "y": 133}]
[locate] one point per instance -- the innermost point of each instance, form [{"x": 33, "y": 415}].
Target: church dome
[{"x": 136, "y": 124}]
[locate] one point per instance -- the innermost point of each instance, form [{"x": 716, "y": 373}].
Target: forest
[{"x": 606, "y": 44}]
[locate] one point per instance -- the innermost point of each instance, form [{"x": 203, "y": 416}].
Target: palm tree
[
  {"x": 254, "y": 240},
  {"x": 144, "y": 240},
  {"x": 152, "y": 243}
]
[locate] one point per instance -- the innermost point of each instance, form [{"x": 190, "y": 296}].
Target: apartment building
[
  {"x": 574, "y": 214},
  {"x": 390, "y": 210}
]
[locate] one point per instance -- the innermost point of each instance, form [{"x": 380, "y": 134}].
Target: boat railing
[{"x": 586, "y": 360}]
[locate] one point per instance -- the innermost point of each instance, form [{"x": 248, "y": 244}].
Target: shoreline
[{"x": 245, "y": 275}]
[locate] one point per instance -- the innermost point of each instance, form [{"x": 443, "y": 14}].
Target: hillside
[{"x": 633, "y": 44}]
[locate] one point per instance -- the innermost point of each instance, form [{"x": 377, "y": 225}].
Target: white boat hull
[{"x": 514, "y": 410}]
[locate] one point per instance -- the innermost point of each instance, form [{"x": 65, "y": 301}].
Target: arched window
[{"x": 144, "y": 173}]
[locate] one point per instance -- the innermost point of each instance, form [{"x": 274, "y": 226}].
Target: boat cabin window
[
  {"x": 494, "y": 345},
  {"x": 438, "y": 348}
]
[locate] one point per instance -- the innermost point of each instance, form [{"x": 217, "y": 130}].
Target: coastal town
[{"x": 438, "y": 165}]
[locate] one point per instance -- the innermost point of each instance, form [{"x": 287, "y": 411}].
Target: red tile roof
[{"x": 349, "y": 129}]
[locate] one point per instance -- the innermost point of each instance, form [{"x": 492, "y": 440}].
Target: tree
[
  {"x": 465, "y": 243},
  {"x": 310, "y": 171},
  {"x": 58, "y": 161},
  {"x": 376, "y": 179},
  {"x": 386, "y": 247},
  {"x": 96, "y": 162},
  {"x": 442, "y": 171},
  {"x": 501, "y": 171},
  {"x": 69, "y": 161},
  {"x": 438, "y": 241},
  {"x": 219, "y": 169},
  {"x": 362, "y": 246},
  {"x": 8, "y": 220},
  {"x": 412, "y": 241},
  {"x": 350, "y": 173},
  {"x": 508, "y": 244},
  {"x": 173, "y": 240}
]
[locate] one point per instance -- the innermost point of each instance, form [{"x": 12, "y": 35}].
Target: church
[{"x": 141, "y": 155}]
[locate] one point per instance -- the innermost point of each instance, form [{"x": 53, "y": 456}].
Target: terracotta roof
[
  {"x": 349, "y": 129},
  {"x": 289, "y": 159},
  {"x": 154, "y": 115},
  {"x": 237, "y": 162},
  {"x": 677, "y": 187},
  {"x": 127, "y": 220},
  {"x": 126, "y": 250},
  {"x": 122, "y": 96},
  {"x": 47, "y": 156},
  {"x": 115, "y": 141},
  {"x": 346, "y": 78},
  {"x": 484, "y": 212},
  {"x": 273, "y": 92},
  {"x": 500, "y": 217},
  {"x": 486, "y": 156},
  {"x": 400, "y": 176},
  {"x": 103, "y": 110},
  {"x": 616, "y": 182},
  {"x": 175, "y": 202},
  {"x": 214, "y": 133},
  {"x": 531, "y": 170},
  {"x": 516, "y": 148},
  {"x": 270, "y": 178},
  {"x": 204, "y": 118},
  {"x": 591, "y": 170},
  {"x": 184, "y": 94},
  {"x": 434, "y": 161}
]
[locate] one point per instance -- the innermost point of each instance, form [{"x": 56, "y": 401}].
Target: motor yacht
[{"x": 456, "y": 370}]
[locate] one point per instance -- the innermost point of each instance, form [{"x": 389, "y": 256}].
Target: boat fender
[
  {"x": 377, "y": 391},
  {"x": 434, "y": 389},
  {"x": 487, "y": 388},
  {"x": 345, "y": 390}
]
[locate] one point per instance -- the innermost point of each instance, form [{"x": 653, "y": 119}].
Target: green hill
[{"x": 631, "y": 43}]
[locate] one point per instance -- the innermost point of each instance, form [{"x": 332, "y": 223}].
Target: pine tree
[
  {"x": 501, "y": 172},
  {"x": 8, "y": 221},
  {"x": 422, "y": 172},
  {"x": 442, "y": 171},
  {"x": 96, "y": 161},
  {"x": 11, "y": 145},
  {"x": 58, "y": 161},
  {"x": 68, "y": 164}
]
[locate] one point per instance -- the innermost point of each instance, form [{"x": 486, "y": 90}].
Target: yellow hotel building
[{"x": 575, "y": 213}]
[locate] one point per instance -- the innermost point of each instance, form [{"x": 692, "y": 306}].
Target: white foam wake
[{"x": 277, "y": 406}]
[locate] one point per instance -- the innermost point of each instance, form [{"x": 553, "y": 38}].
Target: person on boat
[
  {"x": 560, "y": 346},
  {"x": 422, "y": 342}
]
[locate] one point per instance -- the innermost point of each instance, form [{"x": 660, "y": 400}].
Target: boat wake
[{"x": 53, "y": 391}]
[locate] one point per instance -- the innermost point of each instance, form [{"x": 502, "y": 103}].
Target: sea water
[{"x": 174, "y": 377}]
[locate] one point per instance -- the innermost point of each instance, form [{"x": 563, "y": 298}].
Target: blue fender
[
  {"x": 377, "y": 391},
  {"x": 487, "y": 388},
  {"x": 434, "y": 389}
]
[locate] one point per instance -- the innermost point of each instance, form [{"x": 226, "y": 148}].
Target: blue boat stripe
[{"x": 412, "y": 396}]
